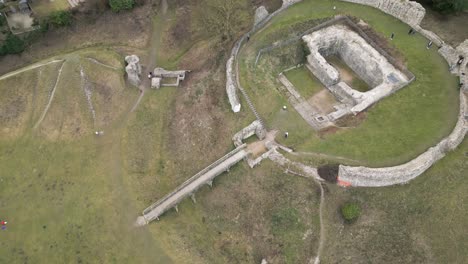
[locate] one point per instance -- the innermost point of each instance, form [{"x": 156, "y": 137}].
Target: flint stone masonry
[
  {"x": 231, "y": 86},
  {"x": 133, "y": 69},
  {"x": 360, "y": 56},
  {"x": 255, "y": 128},
  {"x": 376, "y": 177},
  {"x": 260, "y": 14},
  {"x": 159, "y": 74},
  {"x": 410, "y": 12}
]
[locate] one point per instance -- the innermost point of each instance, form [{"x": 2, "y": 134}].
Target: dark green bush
[
  {"x": 60, "y": 18},
  {"x": 446, "y": 6},
  {"x": 119, "y": 5},
  {"x": 350, "y": 212},
  {"x": 12, "y": 45}
]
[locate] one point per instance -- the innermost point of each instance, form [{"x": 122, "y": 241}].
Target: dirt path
[
  {"x": 151, "y": 59},
  {"x": 51, "y": 97},
  {"x": 34, "y": 66},
  {"x": 322, "y": 225}
]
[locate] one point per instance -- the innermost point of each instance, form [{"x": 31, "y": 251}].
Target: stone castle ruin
[
  {"x": 162, "y": 77},
  {"x": 371, "y": 66}
]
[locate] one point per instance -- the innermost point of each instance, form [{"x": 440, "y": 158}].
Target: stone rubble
[
  {"x": 133, "y": 69},
  {"x": 260, "y": 14}
]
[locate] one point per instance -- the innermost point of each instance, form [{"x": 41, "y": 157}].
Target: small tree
[
  {"x": 350, "y": 212},
  {"x": 119, "y": 5},
  {"x": 224, "y": 17}
]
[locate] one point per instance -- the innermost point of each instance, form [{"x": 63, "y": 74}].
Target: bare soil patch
[
  {"x": 352, "y": 120},
  {"x": 329, "y": 172},
  {"x": 451, "y": 29},
  {"x": 323, "y": 101}
]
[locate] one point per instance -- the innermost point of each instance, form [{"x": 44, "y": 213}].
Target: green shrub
[
  {"x": 60, "y": 18},
  {"x": 350, "y": 212},
  {"x": 3, "y": 21},
  {"x": 119, "y": 5},
  {"x": 12, "y": 45}
]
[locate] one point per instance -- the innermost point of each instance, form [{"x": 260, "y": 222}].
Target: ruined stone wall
[
  {"x": 133, "y": 69},
  {"x": 255, "y": 127},
  {"x": 375, "y": 177},
  {"x": 362, "y": 63},
  {"x": 231, "y": 86},
  {"x": 409, "y": 12}
]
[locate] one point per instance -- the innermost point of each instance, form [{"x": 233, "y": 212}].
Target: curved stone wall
[
  {"x": 410, "y": 12},
  {"x": 375, "y": 177}
]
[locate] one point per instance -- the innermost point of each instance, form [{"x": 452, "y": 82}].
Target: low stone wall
[
  {"x": 376, "y": 177},
  {"x": 410, "y": 12}
]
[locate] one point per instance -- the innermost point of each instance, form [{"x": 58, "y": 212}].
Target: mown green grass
[
  {"x": 305, "y": 83},
  {"x": 397, "y": 128}
]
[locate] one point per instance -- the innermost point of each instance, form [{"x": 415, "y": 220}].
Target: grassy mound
[{"x": 397, "y": 128}]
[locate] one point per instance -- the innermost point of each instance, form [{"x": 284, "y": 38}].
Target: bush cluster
[
  {"x": 350, "y": 212},
  {"x": 12, "y": 45},
  {"x": 120, "y": 5}
]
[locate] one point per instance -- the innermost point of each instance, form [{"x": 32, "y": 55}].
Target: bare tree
[{"x": 224, "y": 17}]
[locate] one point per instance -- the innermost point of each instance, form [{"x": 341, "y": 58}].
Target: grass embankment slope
[{"x": 396, "y": 129}]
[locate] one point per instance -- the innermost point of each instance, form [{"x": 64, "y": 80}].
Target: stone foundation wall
[{"x": 410, "y": 12}]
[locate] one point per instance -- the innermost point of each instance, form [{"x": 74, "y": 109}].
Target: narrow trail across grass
[
  {"x": 102, "y": 64},
  {"x": 34, "y": 66},
  {"x": 51, "y": 97},
  {"x": 322, "y": 225}
]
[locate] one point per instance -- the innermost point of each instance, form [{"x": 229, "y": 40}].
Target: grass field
[
  {"x": 72, "y": 197},
  {"x": 305, "y": 83},
  {"x": 44, "y": 8},
  {"x": 62, "y": 190},
  {"x": 397, "y": 129}
]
